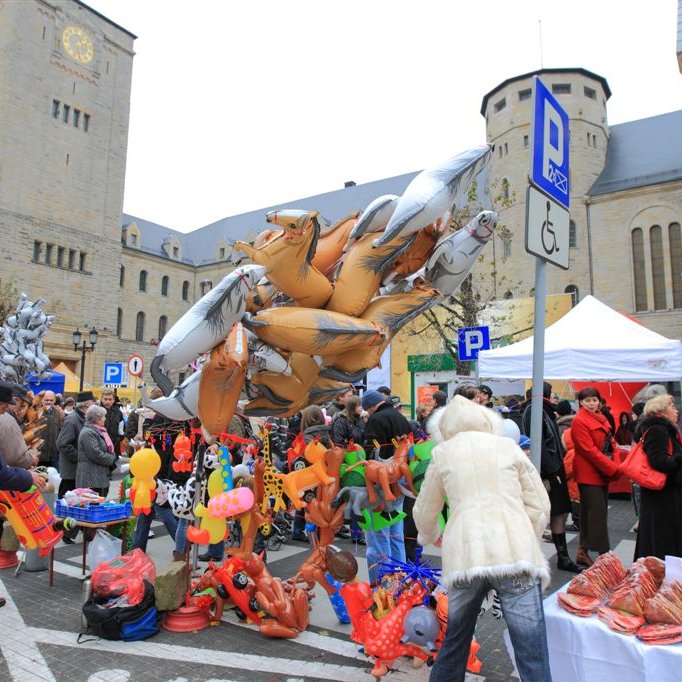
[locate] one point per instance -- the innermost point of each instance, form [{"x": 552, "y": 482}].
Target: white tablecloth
[{"x": 586, "y": 650}]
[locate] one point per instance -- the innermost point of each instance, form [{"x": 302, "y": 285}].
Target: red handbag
[{"x": 637, "y": 468}]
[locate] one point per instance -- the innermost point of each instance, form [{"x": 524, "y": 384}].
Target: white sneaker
[{"x": 151, "y": 534}]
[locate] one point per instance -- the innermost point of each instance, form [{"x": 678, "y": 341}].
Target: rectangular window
[
  {"x": 81, "y": 261},
  {"x": 86, "y": 122},
  {"x": 594, "y": 141},
  {"x": 76, "y": 117},
  {"x": 222, "y": 252},
  {"x": 176, "y": 252},
  {"x": 589, "y": 139},
  {"x": 48, "y": 254},
  {"x": 60, "y": 256},
  {"x": 133, "y": 240},
  {"x": 500, "y": 105},
  {"x": 72, "y": 259},
  {"x": 37, "y": 249},
  {"x": 67, "y": 111},
  {"x": 525, "y": 141},
  {"x": 507, "y": 249},
  {"x": 506, "y": 149},
  {"x": 590, "y": 92},
  {"x": 55, "y": 108},
  {"x": 561, "y": 88},
  {"x": 525, "y": 94}
]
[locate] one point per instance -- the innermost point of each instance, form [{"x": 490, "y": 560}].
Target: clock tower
[{"x": 65, "y": 79}]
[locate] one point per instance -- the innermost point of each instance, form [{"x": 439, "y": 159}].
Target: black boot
[{"x": 564, "y": 561}]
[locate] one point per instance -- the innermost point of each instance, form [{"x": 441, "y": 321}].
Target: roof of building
[
  {"x": 540, "y": 72},
  {"x": 642, "y": 153},
  {"x": 199, "y": 246}
]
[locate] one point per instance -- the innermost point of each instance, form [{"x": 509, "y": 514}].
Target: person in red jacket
[{"x": 592, "y": 469}]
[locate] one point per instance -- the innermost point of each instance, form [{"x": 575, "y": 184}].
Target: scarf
[{"x": 105, "y": 434}]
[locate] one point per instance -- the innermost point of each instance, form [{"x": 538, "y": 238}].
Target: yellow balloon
[{"x": 145, "y": 463}]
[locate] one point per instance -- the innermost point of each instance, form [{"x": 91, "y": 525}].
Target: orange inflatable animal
[
  {"x": 387, "y": 473},
  {"x": 389, "y": 313},
  {"x": 363, "y": 268},
  {"x": 221, "y": 381},
  {"x": 288, "y": 260},
  {"x": 297, "y": 482},
  {"x": 331, "y": 243},
  {"x": 277, "y": 387},
  {"x": 416, "y": 256},
  {"x": 316, "y": 332}
]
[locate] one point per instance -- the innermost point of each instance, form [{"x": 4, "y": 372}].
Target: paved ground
[{"x": 39, "y": 628}]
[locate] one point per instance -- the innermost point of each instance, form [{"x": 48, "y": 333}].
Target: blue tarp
[{"x": 54, "y": 383}]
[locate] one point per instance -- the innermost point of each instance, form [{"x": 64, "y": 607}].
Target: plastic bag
[
  {"x": 104, "y": 547},
  {"x": 124, "y": 575}
]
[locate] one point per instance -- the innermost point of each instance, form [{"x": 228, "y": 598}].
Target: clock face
[{"x": 77, "y": 44}]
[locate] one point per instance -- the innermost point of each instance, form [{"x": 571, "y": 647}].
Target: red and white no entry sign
[{"x": 135, "y": 365}]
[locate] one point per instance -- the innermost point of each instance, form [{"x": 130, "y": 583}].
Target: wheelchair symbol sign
[{"x": 547, "y": 228}]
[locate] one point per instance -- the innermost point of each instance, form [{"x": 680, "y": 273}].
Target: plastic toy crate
[{"x": 94, "y": 513}]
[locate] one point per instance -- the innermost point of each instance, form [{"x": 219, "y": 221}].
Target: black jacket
[
  {"x": 67, "y": 444},
  {"x": 112, "y": 423},
  {"x": 385, "y": 424},
  {"x": 660, "y": 436},
  {"x": 343, "y": 430},
  {"x": 552, "y": 458}
]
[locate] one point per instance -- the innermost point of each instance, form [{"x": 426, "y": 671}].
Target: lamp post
[{"x": 83, "y": 346}]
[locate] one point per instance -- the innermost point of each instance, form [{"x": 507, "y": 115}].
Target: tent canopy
[
  {"x": 591, "y": 342},
  {"x": 55, "y": 383}
]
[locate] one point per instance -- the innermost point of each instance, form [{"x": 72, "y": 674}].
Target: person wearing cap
[
  {"x": 485, "y": 395},
  {"x": 383, "y": 425},
  {"x": 69, "y": 405},
  {"x": 553, "y": 475},
  {"x": 67, "y": 442},
  {"x": 11, "y": 436},
  {"x": 14, "y": 478}
]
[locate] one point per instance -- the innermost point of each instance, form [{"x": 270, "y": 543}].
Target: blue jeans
[
  {"x": 521, "y": 600},
  {"x": 144, "y": 523},
  {"x": 181, "y": 536},
  {"x": 384, "y": 544}
]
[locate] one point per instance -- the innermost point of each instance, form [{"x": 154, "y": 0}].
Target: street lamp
[{"x": 76, "y": 338}]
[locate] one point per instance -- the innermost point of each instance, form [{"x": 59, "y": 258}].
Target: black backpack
[{"x": 126, "y": 622}]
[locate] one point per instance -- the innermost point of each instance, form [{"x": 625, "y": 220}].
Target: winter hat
[
  {"x": 372, "y": 398},
  {"x": 84, "y": 396},
  {"x": 6, "y": 392},
  {"x": 524, "y": 442},
  {"x": 385, "y": 390},
  {"x": 563, "y": 408}
]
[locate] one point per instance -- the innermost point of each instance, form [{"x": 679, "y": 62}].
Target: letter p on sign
[{"x": 472, "y": 340}]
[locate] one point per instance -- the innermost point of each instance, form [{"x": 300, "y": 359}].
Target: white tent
[{"x": 591, "y": 342}]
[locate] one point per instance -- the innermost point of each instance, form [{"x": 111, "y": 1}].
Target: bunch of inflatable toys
[{"x": 318, "y": 304}]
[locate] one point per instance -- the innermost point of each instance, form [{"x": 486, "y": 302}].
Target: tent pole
[{"x": 538, "y": 362}]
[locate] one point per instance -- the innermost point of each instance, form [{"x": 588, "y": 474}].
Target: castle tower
[
  {"x": 508, "y": 112},
  {"x": 65, "y": 78}
]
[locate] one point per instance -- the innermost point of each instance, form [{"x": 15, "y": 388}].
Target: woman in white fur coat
[{"x": 498, "y": 510}]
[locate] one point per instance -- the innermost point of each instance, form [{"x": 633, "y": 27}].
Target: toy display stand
[{"x": 86, "y": 539}]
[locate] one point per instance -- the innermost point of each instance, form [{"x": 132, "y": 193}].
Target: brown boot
[{"x": 583, "y": 558}]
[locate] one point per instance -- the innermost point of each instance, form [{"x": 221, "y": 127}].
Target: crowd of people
[{"x": 499, "y": 506}]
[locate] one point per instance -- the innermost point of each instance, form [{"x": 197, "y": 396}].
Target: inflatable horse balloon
[
  {"x": 435, "y": 192},
  {"x": 205, "y": 324},
  {"x": 321, "y": 302}
]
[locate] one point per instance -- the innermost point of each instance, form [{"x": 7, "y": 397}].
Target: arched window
[
  {"x": 639, "y": 269},
  {"x": 185, "y": 291},
  {"x": 575, "y": 294},
  {"x": 121, "y": 276},
  {"x": 676, "y": 262},
  {"x": 505, "y": 188},
  {"x": 139, "y": 327},
  {"x": 143, "y": 280},
  {"x": 572, "y": 234},
  {"x": 657, "y": 266},
  {"x": 163, "y": 325},
  {"x": 206, "y": 286},
  {"x": 119, "y": 322},
  {"x": 164, "y": 285},
  {"x": 508, "y": 295}
]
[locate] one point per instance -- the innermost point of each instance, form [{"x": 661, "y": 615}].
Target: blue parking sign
[
  {"x": 471, "y": 340},
  {"x": 550, "y": 148},
  {"x": 113, "y": 374}
]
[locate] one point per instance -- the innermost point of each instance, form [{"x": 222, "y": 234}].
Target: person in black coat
[
  {"x": 67, "y": 442},
  {"x": 660, "y": 514},
  {"x": 349, "y": 424},
  {"x": 113, "y": 422},
  {"x": 383, "y": 425}
]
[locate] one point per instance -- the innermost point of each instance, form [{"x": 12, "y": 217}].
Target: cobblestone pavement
[{"x": 39, "y": 628}]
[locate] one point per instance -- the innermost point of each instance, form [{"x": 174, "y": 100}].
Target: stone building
[{"x": 65, "y": 78}]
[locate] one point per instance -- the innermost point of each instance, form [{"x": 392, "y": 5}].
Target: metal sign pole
[{"x": 538, "y": 362}]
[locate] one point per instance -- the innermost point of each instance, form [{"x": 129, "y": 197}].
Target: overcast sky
[{"x": 241, "y": 105}]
